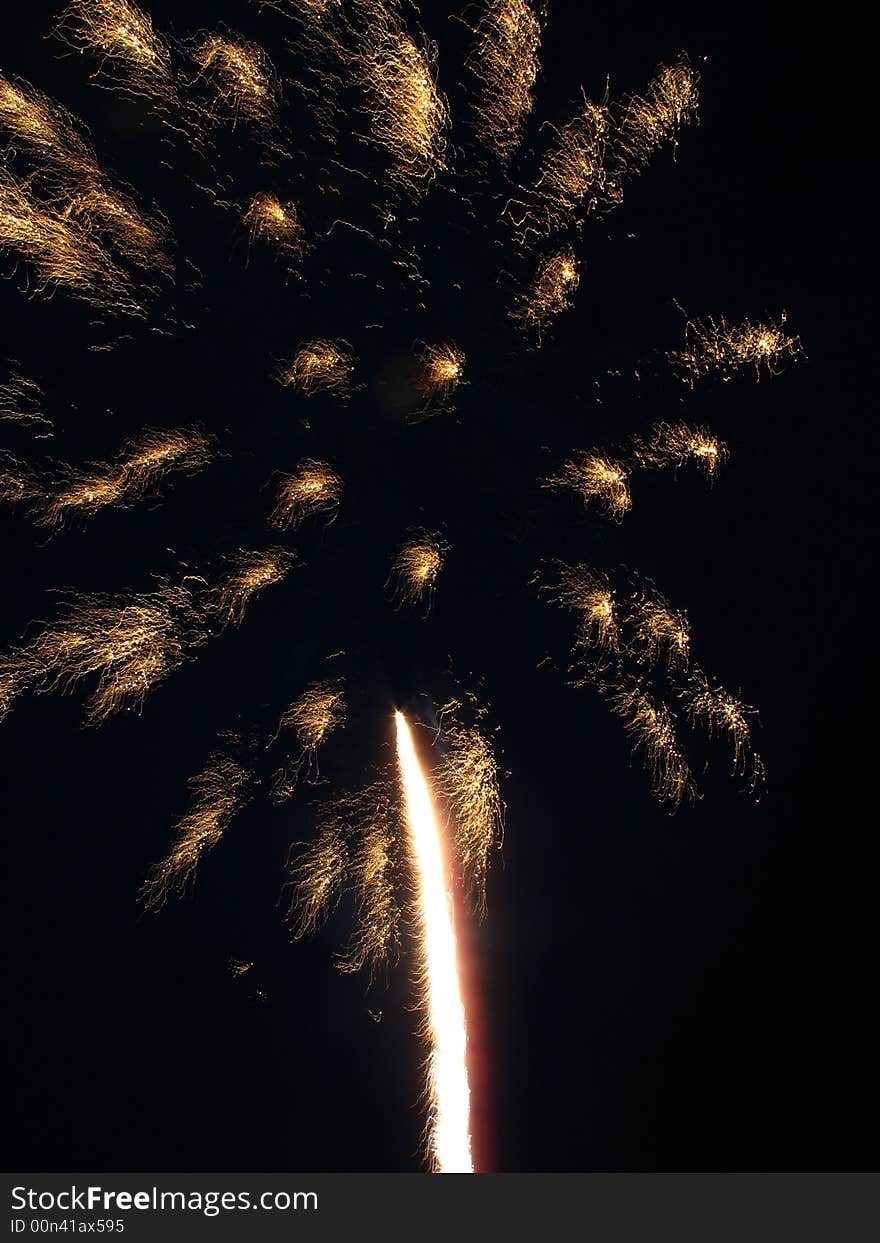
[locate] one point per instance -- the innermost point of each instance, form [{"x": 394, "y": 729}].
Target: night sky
[{"x": 657, "y": 992}]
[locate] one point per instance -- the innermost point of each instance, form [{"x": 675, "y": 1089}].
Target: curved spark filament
[
  {"x": 314, "y": 489},
  {"x": 597, "y": 479},
  {"x": 217, "y": 794},
  {"x": 448, "y": 1091},
  {"x": 674, "y": 444},
  {"x": 416, "y": 567},
  {"x": 319, "y": 367},
  {"x": 505, "y": 63},
  {"x": 714, "y": 347},
  {"x": 21, "y": 401}
]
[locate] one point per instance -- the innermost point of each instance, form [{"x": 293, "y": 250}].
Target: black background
[{"x": 659, "y": 993}]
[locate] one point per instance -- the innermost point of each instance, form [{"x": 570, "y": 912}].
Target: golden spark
[
  {"x": 314, "y": 489},
  {"x": 319, "y": 367},
  {"x": 504, "y": 61},
  {"x": 416, "y": 566},
  {"x": 596, "y": 479}
]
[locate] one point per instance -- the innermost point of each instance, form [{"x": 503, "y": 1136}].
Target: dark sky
[{"x": 658, "y": 993}]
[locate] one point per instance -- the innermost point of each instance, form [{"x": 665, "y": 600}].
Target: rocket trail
[{"x": 448, "y": 1088}]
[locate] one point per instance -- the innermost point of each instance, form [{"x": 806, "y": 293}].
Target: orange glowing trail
[{"x": 448, "y": 1089}]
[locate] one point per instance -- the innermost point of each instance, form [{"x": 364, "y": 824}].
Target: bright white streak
[{"x": 448, "y": 1089}]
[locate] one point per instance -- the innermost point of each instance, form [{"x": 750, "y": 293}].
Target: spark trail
[{"x": 448, "y": 1090}]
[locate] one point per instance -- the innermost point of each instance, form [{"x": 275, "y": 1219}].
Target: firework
[
  {"x": 674, "y": 444},
  {"x": 242, "y": 79},
  {"x": 725, "y": 715},
  {"x": 714, "y": 347},
  {"x": 647, "y": 121},
  {"x": 448, "y": 1092},
  {"x": 131, "y": 643},
  {"x": 319, "y": 367},
  {"x": 504, "y": 61},
  {"x": 131, "y": 56},
  {"x": 136, "y": 237},
  {"x": 551, "y": 291},
  {"x": 416, "y": 566},
  {"x": 373, "y": 870},
  {"x": 44, "y": 128},
  {"x": 589, "y": 595},
  {"x": 651, "y": 725},
  {"x": 661, "y": 631},
  {"x": 470, "y": 785},
  {"x": 251, "y": 573},
  {"x": 318, "y": 712},
  {"x": 21, "y": 402},
  {"x": 407, "y": 113},
  {"x": 59, "y": 250},
  {"x": 217, "y": 793},
  {"x": 270, "y": 221},
  {"x": 441, "y": 369},
  {"x": 314, "y": 489},
  {"x": 598, "y": 479},
  {"x": 318, "y": 875}
]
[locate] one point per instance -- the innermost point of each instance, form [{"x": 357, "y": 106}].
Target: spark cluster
[
  {"x": 647, "y": 121},
  {"x": 469, "y": 782},
  {"x": 243, "y": 82},
  {"x": 408, "y": 115},
  {"x": 597, "y": 479},
  {"x": 270, "y": 221},
  {"x": 318, "y": 712},
  {"x": 314, "y": 489},
  {"x": 217, "y": 793},
  {"x": 131, "y": 56},
  {"x": 441, "y": 370},
  {"x": 251, "y": 573},
  {"x": 504, "y": 60},
  {"x": 140, "y": 467},
  {"x": 319, "y": 367},
  {"x": 651, "y": 725},
  {"x": 714, "y": 347},
  {"x": 674, "y": 444},
  {"x": 661, "y": 631},
  {"x": 21, "y": 401},
  {"x": 550, "y": 291},
  {"x": 131, "y": 643},
  {"x": 416, "y": 566},
  {"x": 590, "y": 597},
  {"x": 726, "y": 716}
]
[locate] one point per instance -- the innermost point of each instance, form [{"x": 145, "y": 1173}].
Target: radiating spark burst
[
  {"x": 314, "y": 489},
  {"x": 131, "y": 56},
  {"x": 589, "y": 595},
  {"x": 441, "y": 370},
  {"x": 674, "y": 444},
  {"x": 661, "y": 631},
  {"x": 469, "y": 782},
  {"x": 270, "y": 221},
  {"x": 714, "y": 347},
  {"x": 59, "y": 251},
  {"x": 21, "y": 401},
  {"x": 131, "y": 643},
  {"x": 408, "y": 114},
  {"x": 217, "y": 793},
  {"x": 416, "y": 566},
  {"x": 139, "y": 468},
  {"x": 598, "y": 479},
  {"x": 652, "y": 727},
  {"x": 724, "y": 714},
  {"x": 505, "y": 62},
  {"x": 44, "y": 128},
  {"x": 551, "y": 291},
  {"x": 647, "y": 121},
  {"x": 448, "y": 1091},
  {"x": 242, "y": 78},
  {"x": 252, "y": 572},
  {"x": 318, "y": 712},
  {"x": 319, "y": 367}
]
